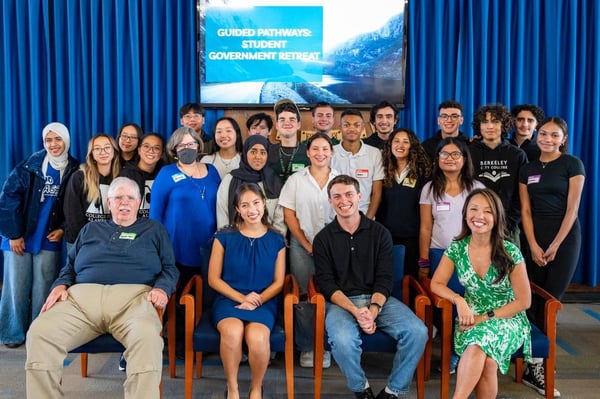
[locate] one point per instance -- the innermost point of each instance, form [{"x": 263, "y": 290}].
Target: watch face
[{"x": 491, "y": 314}]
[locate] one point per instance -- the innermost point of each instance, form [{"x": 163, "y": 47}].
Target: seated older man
[{"x": 117, "y": 272}]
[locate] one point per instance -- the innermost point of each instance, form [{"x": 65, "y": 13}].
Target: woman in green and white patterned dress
[{"x": 491, "y": 323}]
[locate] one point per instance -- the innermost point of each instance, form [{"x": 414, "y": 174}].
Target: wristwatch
[
  {"x": 491, "y": 314},
  {"x": 378, "y": 306}
]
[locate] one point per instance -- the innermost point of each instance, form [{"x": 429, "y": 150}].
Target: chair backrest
[
  {"x": 208, "y": 294},
  {"x": 435, "y": 256},
  {"x": 398, "y": 251}
]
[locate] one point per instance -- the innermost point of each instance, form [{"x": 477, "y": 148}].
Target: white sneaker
[{"x": 307, "y": 359}]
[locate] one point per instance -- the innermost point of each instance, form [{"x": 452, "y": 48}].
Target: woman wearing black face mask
[{"x": 184, "y": 200}]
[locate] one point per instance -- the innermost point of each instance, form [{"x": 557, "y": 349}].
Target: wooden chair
[
  {"x": 378, "y": 342},
  {"x": 543, "y": 341},
  {"x": 105, "y": 343},
  {"x": 202, "y": 336}
]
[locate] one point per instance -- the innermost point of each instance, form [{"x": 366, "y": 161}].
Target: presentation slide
[
  {"x": 342, "y": 52},
  {"x": 270, "y": 46}
]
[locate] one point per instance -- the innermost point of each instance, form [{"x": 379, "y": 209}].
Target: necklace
[
  {"x": 251, "y": 240},
  {"x": 286, "y": 170}
]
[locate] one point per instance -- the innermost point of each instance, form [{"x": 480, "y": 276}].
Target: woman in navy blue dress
[{"x": 247, "y": 270}]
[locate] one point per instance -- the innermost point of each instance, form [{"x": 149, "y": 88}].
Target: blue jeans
[
  {"x": 396, "y": 320},
  {"x": 26, "y": 284}
]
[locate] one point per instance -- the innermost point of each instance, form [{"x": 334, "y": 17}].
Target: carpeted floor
[{"x": 578, "y": 371}]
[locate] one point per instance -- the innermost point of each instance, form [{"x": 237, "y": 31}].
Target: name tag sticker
[
  {"x": 408, "y": 182},
  {"x": 533, "y": 179},
  {"x": 297, "y": 166},
  {"x": 442, "y": 206},
  {"x": 361, "y": 173},
  {"x": 127, "y": 236},
  {"x": 178, "y": 177}
]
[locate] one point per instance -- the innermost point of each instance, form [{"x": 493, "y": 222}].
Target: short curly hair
[
  {"x": 538, "y": 112},
  {"x": 497, "y": 111}
]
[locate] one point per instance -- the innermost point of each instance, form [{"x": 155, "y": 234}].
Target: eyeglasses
[
  {"x": 183, "y": 146},
  {"x": 453, "y": 117},
  {"x": 128, "y": 138},
  {"x": 149, "y": 148},
  {"x": 192, "y": 116},
  {"x": 456, "y": 155},
  {"x": 99, "y": 150}
]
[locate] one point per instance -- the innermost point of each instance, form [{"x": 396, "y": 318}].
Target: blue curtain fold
[{"x": 95, "y": 64}]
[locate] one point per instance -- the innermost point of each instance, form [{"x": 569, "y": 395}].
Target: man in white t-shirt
[{"x": 359, "y": 160}]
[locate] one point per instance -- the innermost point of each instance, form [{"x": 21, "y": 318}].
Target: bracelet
[
  {"x": 424, "y": 263},
  {"x": 454, "y": 299}
]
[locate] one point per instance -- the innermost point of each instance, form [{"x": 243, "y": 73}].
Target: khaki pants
[{"x": 92, "y": 310}]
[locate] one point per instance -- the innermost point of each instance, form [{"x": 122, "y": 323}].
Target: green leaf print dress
[{"x": 499, "y": 338}]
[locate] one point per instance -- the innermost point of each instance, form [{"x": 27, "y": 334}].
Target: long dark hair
[
  {"x": 501, "y": 260},
  {"x": 562, "y": 124},
  {"x": 241, "y": 189},
  {"x": 438, "y": 178},
  {"x": 418, "y": 161},
  {"x": 238, "y": 135}
]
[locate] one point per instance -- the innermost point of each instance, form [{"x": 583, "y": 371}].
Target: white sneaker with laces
[
  {"x": 533, "y": 377},
  {"x": 307, "y": 359}
]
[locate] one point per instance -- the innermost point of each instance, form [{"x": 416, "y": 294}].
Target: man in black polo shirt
[{"x": 354, "y": 270}]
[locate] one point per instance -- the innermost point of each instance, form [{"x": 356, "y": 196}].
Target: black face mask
[{"x": 187, "y": 156}]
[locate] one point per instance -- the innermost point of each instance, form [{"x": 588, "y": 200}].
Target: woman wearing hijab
[
  {"x": 31, "y": 226},
  {"x": 253, "y": 169}
]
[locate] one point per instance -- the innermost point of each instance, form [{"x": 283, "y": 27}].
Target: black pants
[{"x": 556, "y": 276}]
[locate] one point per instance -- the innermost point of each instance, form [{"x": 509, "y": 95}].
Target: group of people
[{"x": 503, "y": 210}]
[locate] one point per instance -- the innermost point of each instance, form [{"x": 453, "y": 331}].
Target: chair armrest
[
  {"x": 436, "y": 300},
  {"x": 191, "y": 299},
  {"x": 290, "y": 287},
  {"x": 410, "y": 285},
  {"x": 312, "y": 288},
  {"x": 291, "y": 296},
  {"x": 551, "y": 308}
]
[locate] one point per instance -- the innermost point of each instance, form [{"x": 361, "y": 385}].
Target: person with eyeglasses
[
  {"x": 496, "y": 163},
  {"x": 526, "y": 117},
  {"x": 384, "y": 118},
  {"x": 289, "y": 155},
  {"x": 117, "y": 274},
  {"x": 128, "y": 138},
  {"x": 443, "y": 197},
  {"x": 192, "y": 115},
  {"x": 32, "y": 228},
  {"x": 144, "y": 172},
  {"x": 184, "y": 200},
  {"x": 86, "y": 194},
  {"x": 441, "y": 203},
  {"x": 450, "y": 118}
]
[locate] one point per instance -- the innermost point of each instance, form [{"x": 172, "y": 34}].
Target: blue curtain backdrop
[{"x": 95, "y": 64}]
